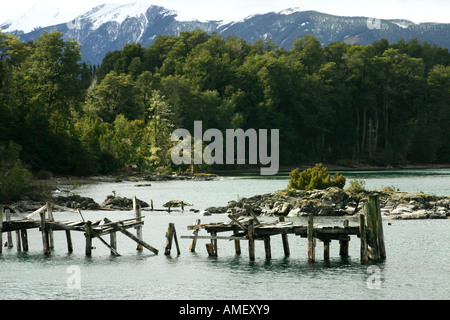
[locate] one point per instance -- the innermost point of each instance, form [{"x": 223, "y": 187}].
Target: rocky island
[{"x": 335, "y": 201}]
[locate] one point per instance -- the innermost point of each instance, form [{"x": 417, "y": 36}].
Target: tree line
[{"x": 348, "y": 104}]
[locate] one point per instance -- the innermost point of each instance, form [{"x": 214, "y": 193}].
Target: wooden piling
[
  {"x": 45, "y": 243},
  {"x": 171, "y": 236},
  {"x": 209, "y": 249},
  {"x": 326, "y": 249},
  {"x": 267, "y": 248},
  {"x": 362, "y": 237},
  {"x": 237, "y": 243},
  {"x": 374, "y": 224},
  {"x": 69, "y": 241},
  {"x": 113, "y": 251},
  {"x": 8, "y": 234},
  {"x": 118, "y": 227},
  {"x": 176, "y": 240},
  {"x": 214, "y": 244},
  {"x": 24, "y": 238},
  {"x": 88, "y": 235},
  {"x": 251, "y": 239},
  {"x": 137, "y": 214},
  {"x": 284, "y": 238},
  {"x": 311, "y": 239},
  {"x": 193, "y": 243},
  {"x": 343, "y": 244},
  {"x": 113, "y": 240},
  {"x": 50, "y": 230},
  {"x": 18, "y": 241}
]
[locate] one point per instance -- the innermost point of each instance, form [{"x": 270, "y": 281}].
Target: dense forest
[{"x": 383, "y": 104}]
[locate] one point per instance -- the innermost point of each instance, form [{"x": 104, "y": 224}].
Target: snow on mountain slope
[
  {"x": 41, "y": 15},
  {"x": 115, "y": 13}
]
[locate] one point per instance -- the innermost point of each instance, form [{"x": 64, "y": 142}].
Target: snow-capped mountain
[
  {"x": 109, "y": 27},
  {"x": 39, "y": 16}
]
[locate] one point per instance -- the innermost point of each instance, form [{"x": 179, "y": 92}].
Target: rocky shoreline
[
  {"x": 291, "y": 203},
  {"x": 338, "y": 202}
]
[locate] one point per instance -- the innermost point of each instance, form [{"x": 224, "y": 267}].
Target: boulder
[{"x": 122, "y": 203}]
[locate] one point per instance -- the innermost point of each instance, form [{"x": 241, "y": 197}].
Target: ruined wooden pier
[
  {"x": 369, "y": 231},
  {"x": 47, "y": 226}
]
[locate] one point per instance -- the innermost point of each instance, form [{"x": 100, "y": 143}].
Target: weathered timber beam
[
  {"x": 214, "y": 237},
  {"x": 132, "y": 236}
]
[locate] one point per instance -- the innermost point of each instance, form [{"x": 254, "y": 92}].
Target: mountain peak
[
  {"x": 113, "y": 12},
  {"x": 40, "y": 15}
]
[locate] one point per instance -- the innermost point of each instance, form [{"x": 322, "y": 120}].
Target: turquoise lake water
[{"x": 416, "y": 266}]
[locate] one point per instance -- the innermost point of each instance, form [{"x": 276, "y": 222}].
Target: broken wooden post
[
  {"x": 251, "y": 239},
  {"x": 137, "y": 214},
  {"x": 374, "y": 224},
  {"x": 24, "y": 238},
  {"x": 362, "y": 236},
  {"x": 45, "y": 243},
  {"x": 284, "y": 237},
  {"x": 113, "y": 240},
  {"x": 8, "y": 234},
  {"x": 326, "y": 249},
  {"x": 311, "y": 239},
  {"x": 267, "y": 248},
  {"x": 50, "y": 230},
  {"x": 252, "y": 213},
  {"x": 176, "y": 240},
  {"x": 171, "y": 235},
  {"x": 343, "y": 243},
  {"x": 88, "y": 235},
  {"x": 118, "y": 227},
  {"x": 69, "y": 241},
  {"x": 237, "y": 243},
  {"x": 113, "y": 251},
  {"x": 194, "y": 240},
  {"x": 209, "y": 249},
  {"x": 18, "y": 241},
  {"x": 213, "y": 244}
]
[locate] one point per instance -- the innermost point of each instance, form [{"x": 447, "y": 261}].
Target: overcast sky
[{"x": 414, "y": 10}]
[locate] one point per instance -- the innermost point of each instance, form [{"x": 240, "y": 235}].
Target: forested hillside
[{"x": 385, "y": 103}]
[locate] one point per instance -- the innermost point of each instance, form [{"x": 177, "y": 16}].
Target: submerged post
[
  {"x": 284, "y": 237},
  {"x": 50, "y": 231},
  {"x": 69, "y": 241},
  {"x": 343, "y": 244},
  {"x": 88, "y": 235},
  {"x": 374, "y": 225},
  {"x": 237, "y": 243},
  {"x": 9, "y": 236},
  {"x": 171, "y": 235},
  {"x": 311, "y": 239},
  {"x": 267, "y": 248},
  {"x": 193, "y": 243},
  {"x": 251, "y": 239},
  {"x": 362, "y": 236},
  {"x": 326, "y": 249},
  {"x": 137, "y": 214},
  {"x": 45, "y": 243}
]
